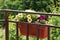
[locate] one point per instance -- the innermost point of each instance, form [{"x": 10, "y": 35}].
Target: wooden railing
[{"x": 17, "y": 11}]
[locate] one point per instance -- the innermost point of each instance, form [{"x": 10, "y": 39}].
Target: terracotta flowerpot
[{"x": 43, "y": 31}]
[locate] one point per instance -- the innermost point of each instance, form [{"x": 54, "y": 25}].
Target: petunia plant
[{"x": 31, "y": 18}]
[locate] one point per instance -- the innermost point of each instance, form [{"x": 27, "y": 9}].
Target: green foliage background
[
  {"x": 38, "y": 5},
  {"x": 52, "y": 6}
]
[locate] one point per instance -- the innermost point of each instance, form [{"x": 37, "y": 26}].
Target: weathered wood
[
  {"x": 41, "y": 13},
  {"x": 17, "y": 31},
  {"x": 6, "y": 26}
]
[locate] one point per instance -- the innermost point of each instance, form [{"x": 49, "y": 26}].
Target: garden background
[{"x": 49, "y": 6}]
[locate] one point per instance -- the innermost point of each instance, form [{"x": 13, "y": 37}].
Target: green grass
[{"x": 2, "y": 34}]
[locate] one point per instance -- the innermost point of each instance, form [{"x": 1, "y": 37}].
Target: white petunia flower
[
  {"x": 20, "y": 14},
  {"x": 16, "y": 18},
  {"x": 38, "y": 15},
  {"x": 28, "y": 16},
  {"x": 29, "y": 20}
]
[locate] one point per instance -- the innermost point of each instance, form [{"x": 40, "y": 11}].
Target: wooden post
[
  {"x": 16, "y": 30},
  {"x": 6, "y": 26}
]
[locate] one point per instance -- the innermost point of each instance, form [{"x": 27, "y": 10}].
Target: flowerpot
[{"x": 43, "y": 31}]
